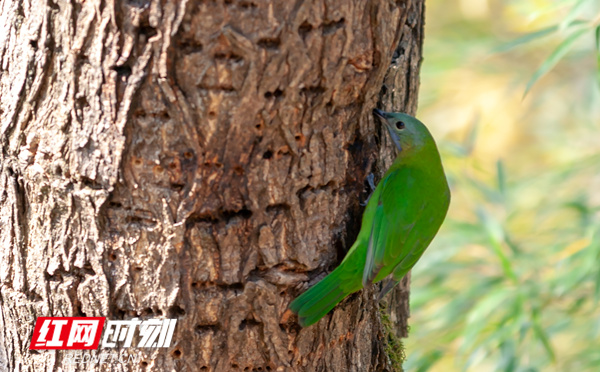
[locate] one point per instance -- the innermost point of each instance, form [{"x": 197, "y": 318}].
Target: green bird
[{"x": 401, "y": 218}]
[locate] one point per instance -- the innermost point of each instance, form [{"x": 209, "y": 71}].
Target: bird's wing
[{"x": 400, "y": 204}]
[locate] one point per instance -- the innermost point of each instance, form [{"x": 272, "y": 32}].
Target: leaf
[
  {"x": 508, "y": 356},
  {"x": 496, "y": 235},
  {"x": 543, "y": 337},
  {"x": 501, "y": 176},
  {"x": 488, "y": 305},
  {"x": 598, "y": 54},
  {"x": 471, "y": 138},
  {"x": 554, "y": 58},
  {"x": 529, "y": 37},
  {"x": 429, "y": 359},
  {"x": 572, "y": 14}
]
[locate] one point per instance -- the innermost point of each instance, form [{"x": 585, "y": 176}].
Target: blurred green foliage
[{"x": 510, "y": 88}]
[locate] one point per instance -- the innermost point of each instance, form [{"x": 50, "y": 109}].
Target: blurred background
[{"x": 510, "y": 89}]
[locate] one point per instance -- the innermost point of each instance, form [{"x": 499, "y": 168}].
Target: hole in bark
[
  {"x": 312, "y": 90},
  {"x": 176, "y": 311},
  {"x": 268, "y": 154},
  {"x": 244, "y": 213},
  {"x": 268, "y": 43},
  {"x": 188, "y": 155},
  {"x": 176, "y": 353},
  {"x": 384, "y": 89},
  {"x": 190, "y": 46},
  {"x": 91, "y": 183},
  {"x": 143, "y": 364},
  {"x": 258, "y": 126},
  {"x": 120, "y": 314},
  {"x": 331, "y": 27},
  {"x": 274, "y": 208},
  {"x": 138, "y": 268},
  {"x": 304, "y": 29},
  {"x": 112, "y": 257},
  {"x": 300, "y": 138},
  {"x": 122, "y": 70},
  {"x": 247, "y": 369},
  {"x": 195, "y": 284},
  {"x": 238, "y": 170},
  {"x": 148, "y": 31},
  {"x": 219, "y": 165},
  {"x": 203, "y": 368},
  {"x": 177, "y": 186},
  {"x": 276, "y": 94},
  {"x": 235, "y": 366},
  {"x": 212, "y": 114},
  {"x": 147, "y": 311},
  {"x": 247, "y": 322},
  {"x": 247, "y": 5},
  {"x": 78, "y": 310},
  {"x": 232, "y": 56}
]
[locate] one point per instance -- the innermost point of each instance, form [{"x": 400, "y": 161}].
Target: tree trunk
[{"x": 198, "y": 160}]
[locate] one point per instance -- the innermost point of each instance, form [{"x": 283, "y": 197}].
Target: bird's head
[{"x": 408, "y": 133}]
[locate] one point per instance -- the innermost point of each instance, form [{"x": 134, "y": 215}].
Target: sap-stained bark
[{"x": 203, "y": 160}]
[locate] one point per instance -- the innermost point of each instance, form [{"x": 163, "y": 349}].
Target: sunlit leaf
[
  {"x": 598, "y": 54},
  {"x": 573, "y": 13},
  {"x": 471, "y": 137},
  {"x": 554, "y": 58},
  {"x": 501, "y": 177},
  {"x": 532, "y": 36}
]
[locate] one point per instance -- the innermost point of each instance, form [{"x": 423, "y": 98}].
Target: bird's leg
[
  {"x": 389, "y": 284},
  {"x": 371, "y": 182}
]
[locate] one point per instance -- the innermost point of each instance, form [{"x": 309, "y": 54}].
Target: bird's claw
[{"x": 371, "y": 182}]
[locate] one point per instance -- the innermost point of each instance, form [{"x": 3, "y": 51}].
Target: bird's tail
[{"x": 318, "y": 300}]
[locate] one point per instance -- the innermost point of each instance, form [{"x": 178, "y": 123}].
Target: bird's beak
[
  {"x": 384, "y": 116},
  {"x": 381, "y": 114}
]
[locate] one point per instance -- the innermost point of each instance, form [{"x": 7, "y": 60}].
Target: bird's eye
[{"x": 399, "y": 125}]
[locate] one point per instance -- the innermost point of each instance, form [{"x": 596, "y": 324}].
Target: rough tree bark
[{"x": 203, "y": 160}]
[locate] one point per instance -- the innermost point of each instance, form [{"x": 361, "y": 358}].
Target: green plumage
[{"x": 402, "y": 217}]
